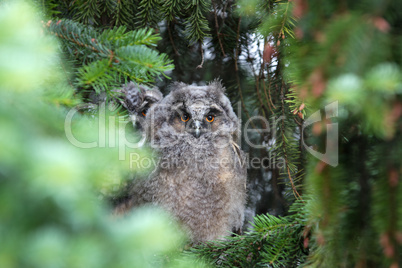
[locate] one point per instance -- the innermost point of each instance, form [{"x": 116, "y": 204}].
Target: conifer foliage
[
  {"x": 353, "y": 62},
  {"x": 272, "y": 241},
  {"x": 337, "y": 195},
  {"x": 50, "y": 212},
  {"x": 111, "y": 56},
  {"x": 339, "y": 58}
]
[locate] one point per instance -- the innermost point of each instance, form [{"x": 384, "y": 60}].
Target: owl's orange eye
[
  {"x": 210, "y": 118},
  {"x": 144, "y": 113},
  {"x": 185, "y": 117}
]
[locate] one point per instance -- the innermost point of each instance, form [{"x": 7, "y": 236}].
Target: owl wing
[{"x": 240, "y": 180}]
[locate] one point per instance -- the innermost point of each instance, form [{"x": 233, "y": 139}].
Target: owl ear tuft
[
  {"x": 153, "y": 95},
  {"x": 176, "y": 86},
  {"x": 217, "y": 84}
]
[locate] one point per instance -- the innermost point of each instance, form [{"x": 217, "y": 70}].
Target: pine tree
[{"x": 284, "y": 61}]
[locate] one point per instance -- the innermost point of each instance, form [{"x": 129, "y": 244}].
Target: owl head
[
  {"x": 193, "y": 115},
  {"x": 137, "y": 100}
]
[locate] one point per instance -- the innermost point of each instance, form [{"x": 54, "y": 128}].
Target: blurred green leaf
[{"x": 50, "y": 210}]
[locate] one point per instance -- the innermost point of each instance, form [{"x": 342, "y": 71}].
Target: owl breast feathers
[{"x": 201, "y": 176}]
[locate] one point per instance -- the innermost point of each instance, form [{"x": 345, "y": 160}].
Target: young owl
[
  {"x": 137, "y": 100},
  {"x": 201, "y": 176}
]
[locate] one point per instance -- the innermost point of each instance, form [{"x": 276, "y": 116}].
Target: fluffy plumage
[{"x": 200, "y": 178}]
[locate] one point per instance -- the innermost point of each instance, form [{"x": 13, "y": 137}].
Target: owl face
[
  {"x": 138, "y": 100},
  {"x": 197, "y": 118},
  {"x": 195, "y": 115}
]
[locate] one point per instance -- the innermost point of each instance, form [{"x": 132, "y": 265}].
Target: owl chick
[
  {"x": 200, "y": 177},
  {"x": 137, "y": 100}
]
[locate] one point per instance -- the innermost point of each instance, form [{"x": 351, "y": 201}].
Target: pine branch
[
  {"x": 269, "y": 99},
  {"x": 171, "y": 40},
  {"x": 172, "y": 9},
  {"x": 111, "y": 56},
  {"x": 87, "y": 11},
  {"x": 237, "y": 74},
  {"x": 285, "y": 151},
  {"x": 281, "y": 22},
  {"x": 196, "y": 24},
  {"x": 217, "y": 29},
  {"x": 149, "y": 12},
  {"x": 202, "y": 56},
  {"x": 273, "y": 241},
  {"x": 123, "y": 13}
]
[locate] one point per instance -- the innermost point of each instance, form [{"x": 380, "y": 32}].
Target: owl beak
[{"x": 197, "y": 128}]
